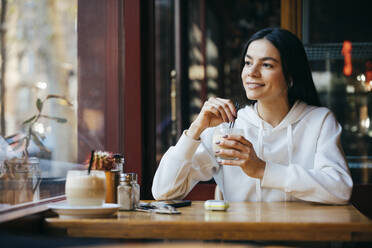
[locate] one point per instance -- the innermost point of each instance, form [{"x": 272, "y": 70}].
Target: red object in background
[
  {"x": 368, "y": 71},
  {"x": 346, "y": 51}
]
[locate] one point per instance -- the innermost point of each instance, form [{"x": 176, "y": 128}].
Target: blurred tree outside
[{"x": 38, "y": 58}]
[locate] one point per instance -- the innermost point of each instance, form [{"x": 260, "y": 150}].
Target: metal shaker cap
[
  {"x": 125, "y": 177},
  {"x": 133, "y": 176}
]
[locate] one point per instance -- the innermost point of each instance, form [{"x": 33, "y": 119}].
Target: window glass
[
  {"x": 39, "y": 84},
  {"x": 340, "y": 54},
  {"x": 164, "y": 65},
  {"x": 215, "y": 34}
]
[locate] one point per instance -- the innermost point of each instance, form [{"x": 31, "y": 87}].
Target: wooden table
[{"x": 291, "y": 221}]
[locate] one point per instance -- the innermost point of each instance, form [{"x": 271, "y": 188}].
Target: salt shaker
[
  {"x": 135, "y": 189},
  {"x": 125, "y": 189}
]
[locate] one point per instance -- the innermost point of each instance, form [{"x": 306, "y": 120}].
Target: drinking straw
[
  {"x": 238, "y": 105},
  {"x": 91, "y": 161}
]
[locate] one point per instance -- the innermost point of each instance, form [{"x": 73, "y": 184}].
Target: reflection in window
[
  {"x": 164, "y": 64},
  {"x": 216, "y": 32},
  {"x": 345, "y": 85},
  {"x": 39, "y": 58}
]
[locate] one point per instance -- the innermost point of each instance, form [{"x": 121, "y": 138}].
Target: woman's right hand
[{"x": 214, "y": 112}]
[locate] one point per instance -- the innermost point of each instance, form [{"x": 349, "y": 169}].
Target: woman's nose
[{"x": 252, "y": 71}]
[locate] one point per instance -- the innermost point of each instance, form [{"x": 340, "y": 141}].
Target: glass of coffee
[
  {"x": 217, "y": 136},
  {"x": 85, "y": 190}
]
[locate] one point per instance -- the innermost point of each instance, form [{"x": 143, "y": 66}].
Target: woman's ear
[{"x": 290, "y": 83}]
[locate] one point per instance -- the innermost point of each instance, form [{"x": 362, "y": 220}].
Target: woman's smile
[{"x": 254, "y": 85}]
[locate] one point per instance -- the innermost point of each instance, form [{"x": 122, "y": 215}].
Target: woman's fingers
[
  {"x": 231, "y": 162},
  {"x": 232, "y": 144},
  {"x": 238, "y": 138},
  {"x": 209, "y": 107},
  {"x": 232, "y": 153},
  {"x": 215, "y": 111},
  {"x": 235, "y": 141},
  {"x": 228, "y": 107},
  {"x": 225, "y": 107},
  {"x": 215, "y": 107},
  {"x": 235, "y": 146}
]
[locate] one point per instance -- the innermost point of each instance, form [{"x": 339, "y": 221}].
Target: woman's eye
[
  {"x": 247, "y": 62},
  {"x": 266, "y": 65}
]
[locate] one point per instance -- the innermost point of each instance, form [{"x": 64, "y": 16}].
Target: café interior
[{"x": 125, "y": 78}]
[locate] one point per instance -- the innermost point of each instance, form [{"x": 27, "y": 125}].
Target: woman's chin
[{"x": 252, "y": 97}]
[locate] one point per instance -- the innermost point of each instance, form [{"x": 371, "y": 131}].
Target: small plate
[{"x": 66, "y": 211}]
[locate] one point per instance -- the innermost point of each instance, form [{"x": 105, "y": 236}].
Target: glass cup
[
  {"x": 217, "y": 136},
  {"x": 85, "y": 190}
]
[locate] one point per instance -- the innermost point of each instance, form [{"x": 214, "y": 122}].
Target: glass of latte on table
[
  {"x": 217, "y": 137},
  {"x": 85, "y": 190}
]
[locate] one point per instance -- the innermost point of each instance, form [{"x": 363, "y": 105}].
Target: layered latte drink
[{"x": 85, "y": 190}]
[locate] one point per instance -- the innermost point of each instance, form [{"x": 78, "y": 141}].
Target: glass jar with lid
[{"x": 20, "y": 180}]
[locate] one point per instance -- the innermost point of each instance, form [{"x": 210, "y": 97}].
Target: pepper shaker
[{"x": 135, "y": 189}]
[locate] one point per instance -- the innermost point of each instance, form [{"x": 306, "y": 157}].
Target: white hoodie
[{"x": 303, "y": 155}]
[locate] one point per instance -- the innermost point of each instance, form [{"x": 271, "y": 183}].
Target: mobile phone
[{"x": 178, "y": 203}]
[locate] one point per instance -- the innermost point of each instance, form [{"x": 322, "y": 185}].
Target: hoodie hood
[{"x": 299, "y": 109}]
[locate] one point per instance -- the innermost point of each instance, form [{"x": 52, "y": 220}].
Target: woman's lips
[{"x": 253, "y": 85}]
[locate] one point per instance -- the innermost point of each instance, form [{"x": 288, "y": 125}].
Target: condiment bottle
[
  {"x": 125, "y": 198},
  {"x": 135, "y": 189},
  {"x": 119, "y": 162},
  {"x": 112, "y": 182}
]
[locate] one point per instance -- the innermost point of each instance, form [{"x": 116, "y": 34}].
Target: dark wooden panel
[
  {"x": 361, "y": 198},
  {"x": 98, "y": 94},
  {"x": 291, "y": 16},
  {"x": 202, "y": 192},
  {"x": 112, "y": 70},
  {"x": 132, "y": 88},
  {"x": 148, "y": 97},
  {"x": 109, "y": 68}
]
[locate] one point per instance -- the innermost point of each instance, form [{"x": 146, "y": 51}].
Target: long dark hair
[{"x": 295, "y": 65}]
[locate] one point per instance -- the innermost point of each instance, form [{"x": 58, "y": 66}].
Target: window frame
[{"x": 102, "y": 43}]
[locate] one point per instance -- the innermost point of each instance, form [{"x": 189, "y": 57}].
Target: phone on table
[{"x": 177, "y": 203}]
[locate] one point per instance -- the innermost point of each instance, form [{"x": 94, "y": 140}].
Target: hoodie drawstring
[
  {"x": 290, "y": 143},
  {"x": 290, "y": 153},
  {"x": 251, "y": 116},
  {"x": 260, "y": 155}
]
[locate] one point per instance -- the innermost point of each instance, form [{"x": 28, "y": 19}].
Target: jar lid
[
  {"x": 118, "y": 158},
  {"x": 29, "y": 160}
]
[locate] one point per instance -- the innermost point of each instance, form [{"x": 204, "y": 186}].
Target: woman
[{"x": 291, "y": 148}]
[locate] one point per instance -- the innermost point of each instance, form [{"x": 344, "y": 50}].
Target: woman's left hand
[{"x": 237, "y": 147}]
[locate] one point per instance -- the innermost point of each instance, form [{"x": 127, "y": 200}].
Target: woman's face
[{"x": 262, "y": 75}]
